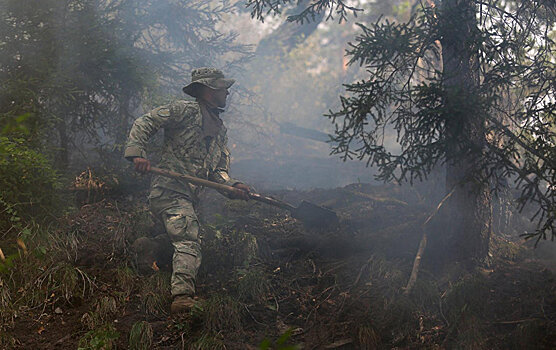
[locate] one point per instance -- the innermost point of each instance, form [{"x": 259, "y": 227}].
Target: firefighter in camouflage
[{"x": 195, "y": 143}]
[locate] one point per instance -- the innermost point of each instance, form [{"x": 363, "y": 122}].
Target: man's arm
[
  {"x": 142, "y": 130},
  {"x": 220, "y": 175}
]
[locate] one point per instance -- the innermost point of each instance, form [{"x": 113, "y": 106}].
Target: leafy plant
[
  {"x": 28, "y": 182},
  {"x": 280, "y": 344},
  {"x": 102, "y": 338}
]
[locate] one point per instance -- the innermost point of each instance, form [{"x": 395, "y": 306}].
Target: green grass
[
  {"x": 227, "y": 247},
  {"x": 208, "y": 341},
  {"x": 282, "y": 343},
  {"x": 126, "y": 280},
  {"x": 155, "y": 294},
  {"x": 6, "y": 341},
  {"x": 105, "y": 310},
  {"x": 467, "y": 296},
  {"x": 253, "y": 286},
  {"x": 221, "y": 312},
  {"x": 141, "y": 336},
  {"x": 38, "y": 276},
  {"x": 368, "y": 337}
]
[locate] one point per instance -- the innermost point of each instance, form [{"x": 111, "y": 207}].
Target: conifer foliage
[
  {"x": 83, "y": 67},
  {"x": 465, "y": 84}
]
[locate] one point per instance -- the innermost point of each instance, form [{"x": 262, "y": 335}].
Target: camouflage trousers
[{"x": 178, "y": 215}]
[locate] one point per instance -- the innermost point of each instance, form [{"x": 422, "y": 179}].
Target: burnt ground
[{"x": 268, "y": 282}]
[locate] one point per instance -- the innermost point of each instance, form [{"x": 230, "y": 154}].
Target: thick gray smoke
[{"x": 277, "y": 128}]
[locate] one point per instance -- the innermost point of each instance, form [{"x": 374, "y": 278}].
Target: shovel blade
[{"x": 314, "y": 216}]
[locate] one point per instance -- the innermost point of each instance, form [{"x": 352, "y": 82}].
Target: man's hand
[
  {"x": 243, "y": 193},
  {"x": 142, "y": 165}
]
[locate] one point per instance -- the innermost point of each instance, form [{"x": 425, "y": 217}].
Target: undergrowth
[
  {"x": 29, "y": 184},
  {"x": 300, "y": 297},
  {"x": 101, "y": 338},
  {"x": 141, "y": 336},
  {"x": 155, "y": 294},
  {"x": 253, "y": 285},
  {"x": 222, "y": 312},
  {"x": 36, "y": 276}
]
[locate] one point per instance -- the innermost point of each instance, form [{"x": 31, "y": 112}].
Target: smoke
[
  {"x": 277, "y": 129},
  {"x": 100, "y": 64}
]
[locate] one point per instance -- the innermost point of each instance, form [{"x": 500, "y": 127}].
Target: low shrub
[
  {"x": 29, "y": 183},
  {"x": 101, "y": 338}
]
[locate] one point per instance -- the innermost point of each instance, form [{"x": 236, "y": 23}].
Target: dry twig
[{"x": 422, "y": 245}]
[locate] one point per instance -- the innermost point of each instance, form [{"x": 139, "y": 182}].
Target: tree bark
[
  {"x": 469, "y": 210},
  {"x": 124, "y": 119},
  {"x": 62, "y": 156}
]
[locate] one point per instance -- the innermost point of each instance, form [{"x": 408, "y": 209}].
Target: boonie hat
[{"x": 209, "y": 77}]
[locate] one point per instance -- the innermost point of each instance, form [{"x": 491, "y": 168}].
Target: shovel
[{"x": 312, "y": 215}]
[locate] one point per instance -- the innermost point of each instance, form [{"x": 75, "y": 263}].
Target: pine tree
[
  {"x": 466, "y": 84},
  {"x": 81, "y": 69}
]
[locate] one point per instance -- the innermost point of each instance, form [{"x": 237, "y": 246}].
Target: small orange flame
[
  {"x": 345, "y": 62},
  {"x": 22, "y": 245}
]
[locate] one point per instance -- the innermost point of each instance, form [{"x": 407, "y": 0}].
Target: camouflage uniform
[{"x": 187, "y": 150}]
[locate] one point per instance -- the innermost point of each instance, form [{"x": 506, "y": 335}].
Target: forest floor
[{"x": 267, "y": 282}]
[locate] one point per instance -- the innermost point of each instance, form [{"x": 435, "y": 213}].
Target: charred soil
[{"x": 267, "y": 282}]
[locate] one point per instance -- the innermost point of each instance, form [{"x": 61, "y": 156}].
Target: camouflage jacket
[{"x": 185, "y": 151}]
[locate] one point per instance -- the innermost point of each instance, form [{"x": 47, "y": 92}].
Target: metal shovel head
[{"x": 314, "y": 216}]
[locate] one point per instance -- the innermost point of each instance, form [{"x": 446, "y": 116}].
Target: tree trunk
[
  {"x": 469, "y": 210},
  {"x": 62, "y": 156},
  {"x": 122, "y": 130}
]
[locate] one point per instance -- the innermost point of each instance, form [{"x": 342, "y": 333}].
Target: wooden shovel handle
[
  {"x": 221, "y": 187},
  {"x": 195, "y": 180},
  {"x": 271, "y": 201}
]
